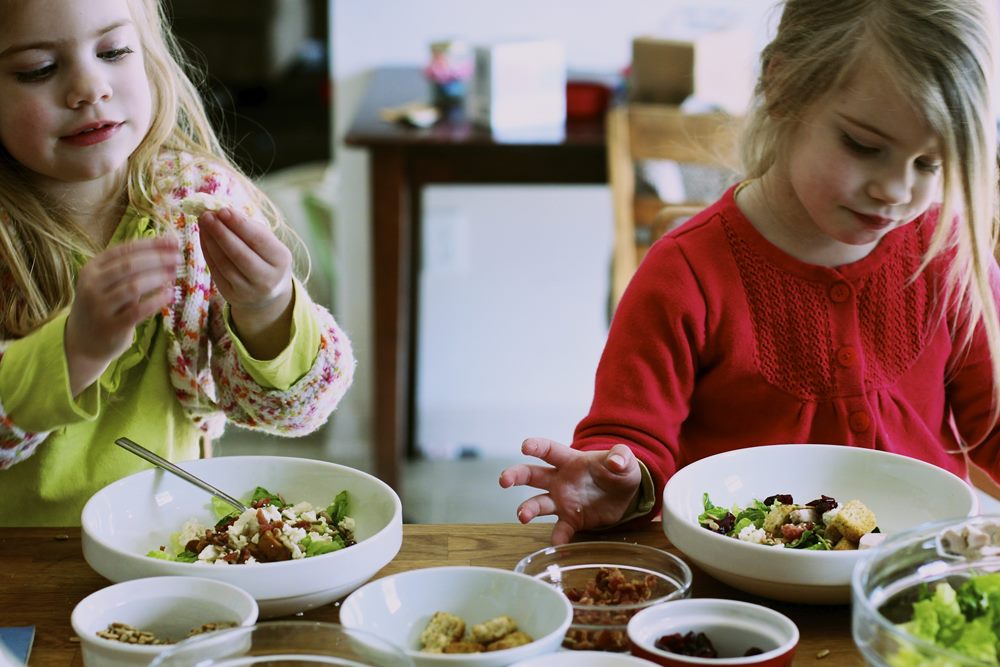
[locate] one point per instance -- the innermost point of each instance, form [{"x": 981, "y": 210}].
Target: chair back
[{"x": 638, "y": 132}]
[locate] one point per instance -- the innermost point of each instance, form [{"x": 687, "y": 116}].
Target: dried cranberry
[
  {"x": 783, "y": 498},
  {"x": 696, "y": 645},
  {"x": 822, "y": 504},
  {"x": 727, "y": 523}
]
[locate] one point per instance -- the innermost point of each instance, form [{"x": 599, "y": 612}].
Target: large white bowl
[
  {"x": 168, "y": 607},
  {"x": 398, "y": 608},
  {"x": 901, "y": 491},
  {"x": 127, "y": 519}
]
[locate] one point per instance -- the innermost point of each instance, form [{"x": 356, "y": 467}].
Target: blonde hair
[
  {"x": 40, "y": 246},
  {"x": 941, "y": 53}
]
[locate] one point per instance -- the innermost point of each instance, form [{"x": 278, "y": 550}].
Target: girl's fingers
[
  {"x": 550, "y": 451},
  {"x": 562, "y": 532},
  {"x": 620, "y": 459},
  {"x": 147, "y": 307},
  {"x": 127, "y": 293},
  {"x": 242, "y": 240},
  {"x": 220, "y": 263},
  {"x": 523, "y": 474},
  {"x": 540, "y": 505}
]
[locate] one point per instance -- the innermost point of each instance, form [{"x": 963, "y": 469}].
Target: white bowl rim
[
  {"x": 776, "y": 617},
  {"x": 446, "y": 569},
  {"x": 917, "y": 533},
  {"x": 682, "y": 592},
  {"x": 150, "y": 649},
  {"x": 275, "y": 568},
  {"x": 192, "y": 643},
  {"x": 812, "y": 555}
]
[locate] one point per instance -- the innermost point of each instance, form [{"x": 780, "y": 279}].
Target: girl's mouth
[
  {"x": 874, "y": 221},
  {"x": 93, "y": 133}
]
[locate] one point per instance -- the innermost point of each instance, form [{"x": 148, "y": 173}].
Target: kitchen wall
[{"x": 513, "y": 297}]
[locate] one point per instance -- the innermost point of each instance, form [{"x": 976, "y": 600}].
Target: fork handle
[{"x": 161, "y": 462}]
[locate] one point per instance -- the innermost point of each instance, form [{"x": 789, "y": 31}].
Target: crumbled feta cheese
[
  {"x": 871, "y": 540},
  {"x": 191, "y": 530},
  {"x": 347, "y": 523},
  {"x": 974, "y": 540},
  {"x": 829, "y": 514},
  {"x": 209, "y": 553},
  {"x": 271, "y": 513},
  {"x": 752, "y": 534}
]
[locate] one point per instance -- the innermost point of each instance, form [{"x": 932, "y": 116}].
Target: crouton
[
  {"x": 464, "y": 647},
  {"x": 493, "y": 629},
  {"x": 517, "y": 638},
  {"x": 443, "y": 629},
  {"x": 844, "y": 544},
  {"x": 854, "y": 520},
  {"x": 777, "y": 516}
]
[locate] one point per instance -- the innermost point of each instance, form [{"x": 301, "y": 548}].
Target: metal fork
[{"x": 161, "y": 462}]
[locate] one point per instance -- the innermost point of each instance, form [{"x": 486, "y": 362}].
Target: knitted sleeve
[{"x": 205, "y": 368}]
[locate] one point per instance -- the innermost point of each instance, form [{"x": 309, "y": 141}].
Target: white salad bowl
[
  {"x": 127, "y": 519},
  {"x": 901, "y": 491}
]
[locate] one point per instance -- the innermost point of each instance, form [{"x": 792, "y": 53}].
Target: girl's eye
[
  {"x": 928, "y": 166},
  {"x": 36, "y": 75},
  {"x": 857, "y": 147},
  {"x": 114, "y": 54}
]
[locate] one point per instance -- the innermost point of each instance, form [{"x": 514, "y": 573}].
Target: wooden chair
[{"x": 637, "y": 132}]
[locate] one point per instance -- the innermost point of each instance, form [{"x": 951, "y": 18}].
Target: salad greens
[
  {"x": 732, "y": 521},
  {"x": 966, "y": 621},
  {"x": 272, "y": 529}
]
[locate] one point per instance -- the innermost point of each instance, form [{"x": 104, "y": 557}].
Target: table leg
[{"x": 392, "y": 268}]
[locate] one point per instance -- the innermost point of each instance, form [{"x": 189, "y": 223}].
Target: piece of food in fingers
[{"x": 199, "y": 202}]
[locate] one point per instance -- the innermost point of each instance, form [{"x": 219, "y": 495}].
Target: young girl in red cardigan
[{"x": 844, "y": 292}]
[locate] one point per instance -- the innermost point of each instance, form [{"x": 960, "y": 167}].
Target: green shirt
[{"x": 133, "y": 398}]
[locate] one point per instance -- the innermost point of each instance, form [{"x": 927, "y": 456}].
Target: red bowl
[{"x": 732, "y": 626}]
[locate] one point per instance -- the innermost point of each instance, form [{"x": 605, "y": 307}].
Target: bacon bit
[{"x": 792, "y": 532}]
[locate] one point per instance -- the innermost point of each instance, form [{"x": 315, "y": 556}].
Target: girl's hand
[
  {"x": 116, "y": 290},
  {"x": 252, "y": 269},
  {"x": 585, "y": 490}
]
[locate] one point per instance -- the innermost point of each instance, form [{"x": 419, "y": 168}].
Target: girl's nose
[
  {"x": 87, "y": 86},
  {"x": 892, "y": 186}
]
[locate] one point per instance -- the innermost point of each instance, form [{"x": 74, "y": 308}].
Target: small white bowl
[
  {"x": 732, "y": 626},
  {"x": 902, "y": 492},
  {"x": 272, "y": 643},
  {"x": 169, "y": 607},
  {"x": 125, "y": 520},
  {"x": 583, "y": 659},
  {"x": 398, "y": 608}
]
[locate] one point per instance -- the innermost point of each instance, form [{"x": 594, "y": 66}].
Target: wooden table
[
  {"x": 403, "y": 161},
  {"x": 43, "y": 576}
]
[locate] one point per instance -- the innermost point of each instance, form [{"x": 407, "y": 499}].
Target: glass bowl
[
  {"x": 904, "y": 571},
  {"x": 608, "y": 583},
  {"x": 292, "y": 643}
]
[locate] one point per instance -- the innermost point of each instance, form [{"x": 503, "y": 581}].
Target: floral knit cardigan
[{"x": 205, "y": 372}]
